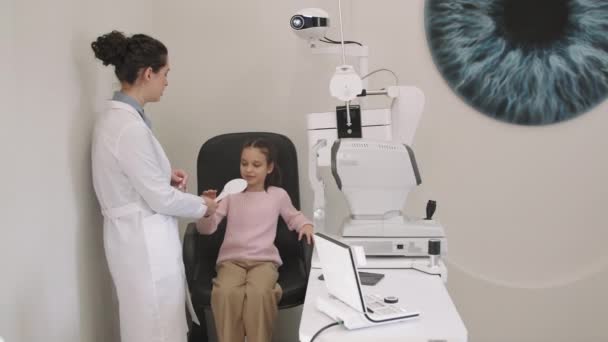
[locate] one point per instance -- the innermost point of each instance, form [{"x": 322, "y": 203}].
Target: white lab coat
[{"x": 131, "y": 176}]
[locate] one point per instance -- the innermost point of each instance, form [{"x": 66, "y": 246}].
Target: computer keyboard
[{"x": 375, "y": 305}]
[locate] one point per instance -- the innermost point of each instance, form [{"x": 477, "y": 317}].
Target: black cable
[
  {"x": 337, "y": 43},
  {"x": 410, "y": 268},
  {"x": 329, "y": 40},
  {"x": 323, "y": 329},
  {"x": 346, "y": 42},
  {"x": 419, "y": 270}
]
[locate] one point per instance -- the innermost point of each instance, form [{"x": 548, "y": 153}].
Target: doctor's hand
[
  {"x": 210, "y": 193},
  {"x": 211, "y": 206},
  {"x": 179, "y": 179},
  {"x": 308, "y": 231}
]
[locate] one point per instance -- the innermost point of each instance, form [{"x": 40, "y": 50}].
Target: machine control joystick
[{"x": 431, "y": 206}]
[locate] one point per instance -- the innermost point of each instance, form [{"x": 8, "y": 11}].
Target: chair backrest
[{"x": 219, "y": 161}]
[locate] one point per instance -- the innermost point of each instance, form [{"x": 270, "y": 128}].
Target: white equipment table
[{"x": 438, "y": 322}]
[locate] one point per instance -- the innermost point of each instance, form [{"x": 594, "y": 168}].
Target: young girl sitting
[{"x": 245, "y": 292}]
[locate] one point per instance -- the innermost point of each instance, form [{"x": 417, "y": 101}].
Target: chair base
[{"x": 198, "y": 333}]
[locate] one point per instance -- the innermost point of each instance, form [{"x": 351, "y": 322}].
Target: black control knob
[
  {"x": 434, "y": 252},
  {"x": 391, "y": 300},
  {"x": 434, "y": 247}
]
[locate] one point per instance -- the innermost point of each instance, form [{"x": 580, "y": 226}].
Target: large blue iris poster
[{"x": 529, "y": 62}]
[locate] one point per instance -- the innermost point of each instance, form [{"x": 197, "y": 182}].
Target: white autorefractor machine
[
  {"x": 373, "y": 165},
  {"x": 369, "y": 153}
]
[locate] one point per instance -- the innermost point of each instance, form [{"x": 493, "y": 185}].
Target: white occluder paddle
[{"x": 233, "y": 187}]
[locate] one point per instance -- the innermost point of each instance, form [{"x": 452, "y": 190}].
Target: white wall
[
  {"x": 523, "y": 205},
  {"x": 54, "y": 282}
]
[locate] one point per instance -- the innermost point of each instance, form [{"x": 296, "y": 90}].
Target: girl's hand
[{"x": 308, "y": 231}]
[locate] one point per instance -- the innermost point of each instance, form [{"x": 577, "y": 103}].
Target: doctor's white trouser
[{"x": 148, "y": 272}]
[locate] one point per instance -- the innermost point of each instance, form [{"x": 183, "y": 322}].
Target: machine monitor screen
[{"x": 341, "y": 276}]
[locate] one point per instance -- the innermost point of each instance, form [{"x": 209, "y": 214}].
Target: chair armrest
[
  {"x": 190, "y": 254},
  {"x": 307, "y": 252}
]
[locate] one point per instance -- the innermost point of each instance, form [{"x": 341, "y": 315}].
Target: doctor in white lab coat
[{"x": 140, "y": 196}]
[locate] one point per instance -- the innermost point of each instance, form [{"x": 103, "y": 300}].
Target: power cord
[
  {"x": 331, "y": 41},
  {"x": 324, "y": 328},
  {"x": 419, "y": 270},
  {"x": 383, "y": 69}
]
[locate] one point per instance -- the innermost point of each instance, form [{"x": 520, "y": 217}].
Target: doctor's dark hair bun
[
  {"x": 130, "y": 55},
  {"x": 110, "y": 48}
]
